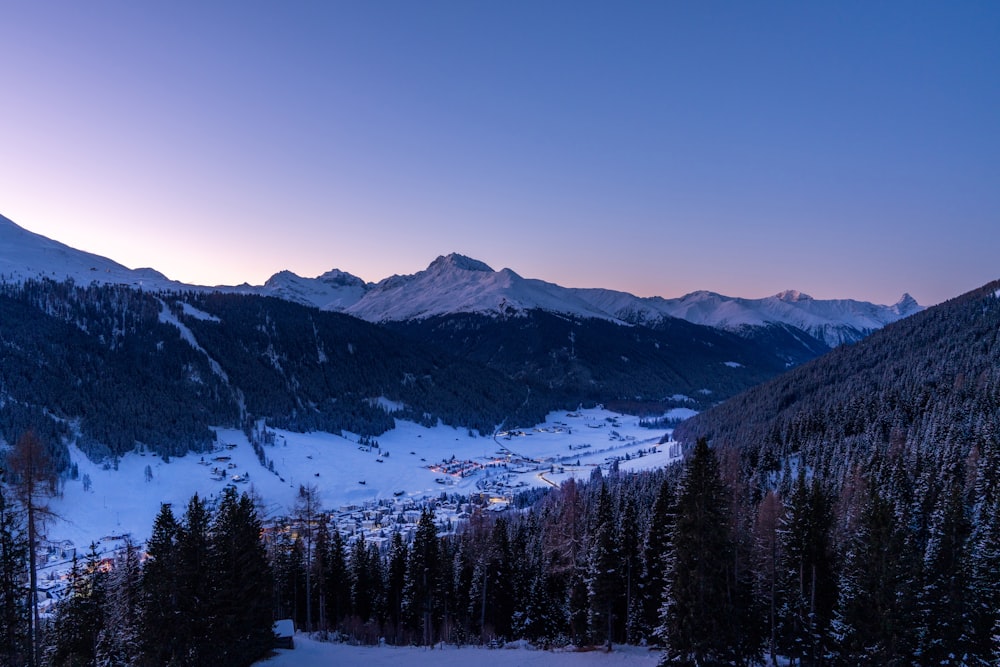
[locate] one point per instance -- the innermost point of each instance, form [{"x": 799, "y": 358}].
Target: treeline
[
  {"x": 201, "y": 597},
  {"x": 898, "y": 567}
]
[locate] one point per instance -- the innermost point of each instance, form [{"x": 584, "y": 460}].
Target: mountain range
[{"x": 454, "y": 284}]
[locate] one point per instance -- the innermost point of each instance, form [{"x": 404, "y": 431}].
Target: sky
[{"x": 846, "y": 150}]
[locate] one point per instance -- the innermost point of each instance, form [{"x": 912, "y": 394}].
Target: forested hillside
[
  {"x": 598, "y": 360},
  {"x": 117, "y": 368},
  {"x": 122, "y": 368},
  {"x": 891, "y": 448},
  {"x": 928, "y": 385}
]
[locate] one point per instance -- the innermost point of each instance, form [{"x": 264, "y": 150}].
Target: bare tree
[{"x": 34, "y": 480}]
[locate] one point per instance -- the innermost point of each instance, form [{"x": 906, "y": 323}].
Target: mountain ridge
[{"x": 456, "y": 283}]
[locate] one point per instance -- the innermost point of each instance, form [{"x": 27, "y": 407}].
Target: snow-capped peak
[
  {"x": 455, "y": 283},
  {"x": 334, "y": 290},
  {"x": 459, "y": 284},
  {"x": 792, "y": 296},
  {"x": 460, "y": 262},
  {"x": 906, "y": 305}
]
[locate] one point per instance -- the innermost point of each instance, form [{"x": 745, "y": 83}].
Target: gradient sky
[{"x": 842, "y": 149}]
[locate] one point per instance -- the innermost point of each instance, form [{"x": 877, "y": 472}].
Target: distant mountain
[
  {"x": 454, "y": 284},
  {"x": 833, "y": 321},
  {"x": 457, "y": 284},
  {"x": 458, "y": 343},
  {"x": 25, "y": 255},
  {"x": 930, "y": 383},
  {"x": 334, "y": 290}
]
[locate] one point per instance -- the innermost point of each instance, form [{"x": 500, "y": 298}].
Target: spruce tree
[
  {"x": 361, "y": 582},
  {"x": 807, "y": 581},
  {"x": 160, "y": 617},
  {"x": 80, "y": 616},
  {"x": 983, "y": 560},
  {"x": 656, "y": 544},
  {"x": 241, "y": 618},
  {"x": 946, "y": 612},
  {"x": 699, "y": 612},
  {"x": 194, "y": 585},
  {"x": 875, "y": 621},
  {"x": 395, "y": 580},
  {"x": 119, "y": 641},
  {"x": 14, "y": 608},
  {"x": 603, "y": 580},
  {"x": 420, "y": 606}
]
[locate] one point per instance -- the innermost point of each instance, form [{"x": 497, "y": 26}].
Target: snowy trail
[{"x": 310, "y": 653}]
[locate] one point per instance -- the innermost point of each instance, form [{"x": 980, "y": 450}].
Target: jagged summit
[
  {"x": 455, "y": 283},
  {"x": 461, "y": 262},
  {"x": 907, "y": 305},
  {"x": 792, "y": 296}
]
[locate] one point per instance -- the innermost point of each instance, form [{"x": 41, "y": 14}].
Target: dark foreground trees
[
  {"x": 203, "y": 596},
  {"x": 898, "y": 566},
  {"x": 701, "y": 601}
]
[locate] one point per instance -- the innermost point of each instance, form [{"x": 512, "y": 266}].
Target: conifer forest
[{"x": 844, "y": 513}]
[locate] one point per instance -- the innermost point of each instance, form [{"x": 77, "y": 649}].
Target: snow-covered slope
[
  {"x": 458, "y": 284},
  {"x": 25, "y": 255},
  {"x": 334, "y": 290},
  {"x": 833, "y": 321}
]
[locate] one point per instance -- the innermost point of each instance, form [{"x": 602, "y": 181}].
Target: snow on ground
[
  {"x": 311, "y": 653},
  {"x": 412, "y": 462}
]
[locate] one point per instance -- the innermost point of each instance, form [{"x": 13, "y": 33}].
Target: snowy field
[
  {"x": 309, "y": 653},
  {"x": 412, "y": 462}
]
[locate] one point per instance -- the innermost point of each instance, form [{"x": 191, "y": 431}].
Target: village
[{"x": 368, "y": 488}]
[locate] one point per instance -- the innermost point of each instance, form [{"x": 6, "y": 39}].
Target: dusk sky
[{"x": 847, "y": 150}]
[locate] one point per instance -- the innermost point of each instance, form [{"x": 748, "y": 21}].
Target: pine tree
[
  {"x": 161, "y": 618},
  {"x": 807, "y": 583},
  {"x": 656, "y": 544},
  {"x": 603, "y": 576},
  {"x": 80, "y": 617},
  {"x": 241, "y": 617},
  {"x": 194, "y": 585},
  {"x": 699, "y": 608},
  {"x": 984, "y": 560},
  {"x": 119, "y": 640},
  {"x": 395, "y": 580},
  {"x": 14, "y": 608},
  {"x": 420, "y": 606},
  {"x": 875, "y": 621}
]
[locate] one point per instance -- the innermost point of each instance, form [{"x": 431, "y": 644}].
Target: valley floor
[{"x": 311, "y": 653}]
